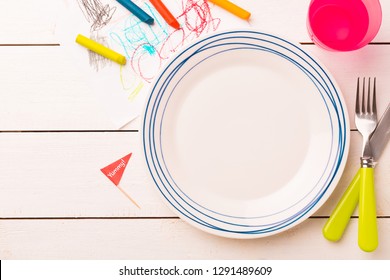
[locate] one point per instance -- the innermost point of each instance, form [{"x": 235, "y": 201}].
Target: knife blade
[
  {"x": 338, "y": 220},
  {"x": 381, "y": 135}
]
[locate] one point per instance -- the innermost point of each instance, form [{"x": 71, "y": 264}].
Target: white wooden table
[{"x": 54, "y": 138}]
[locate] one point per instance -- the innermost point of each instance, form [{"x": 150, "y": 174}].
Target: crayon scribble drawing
[
  {"x": 98, "y": 15},
  {"x": 123, "y": 89},
  {"x": 148, "y": 46},
  {"x": 97, "y": 61}
]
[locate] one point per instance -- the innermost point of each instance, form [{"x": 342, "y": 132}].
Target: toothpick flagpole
[{"x": 128, "y": 196}]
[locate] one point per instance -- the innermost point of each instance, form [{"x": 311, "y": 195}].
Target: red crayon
[{"x": 165, "y": 13}]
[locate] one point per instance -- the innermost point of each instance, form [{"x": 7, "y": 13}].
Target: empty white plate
[{"x": 245, "y": 134}]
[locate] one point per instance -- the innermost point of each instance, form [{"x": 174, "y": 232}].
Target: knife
[{"x": 338, "y": 220}]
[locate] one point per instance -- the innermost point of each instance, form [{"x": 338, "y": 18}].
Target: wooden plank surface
[
  {"x": 40, "y": 90},
  {"x": 29, "y": 22},
  {"x": 35, "y": 22},
  {"x": 173, "y": 239},
  {"x": 55, "y": 96},
  {"x": 58, "y": 175},
  {"x": 54, "y": 138}
]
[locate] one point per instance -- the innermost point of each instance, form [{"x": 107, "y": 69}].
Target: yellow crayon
[
  {"x": 100, "y": 49},
  {"x": 233, "y": 8}
]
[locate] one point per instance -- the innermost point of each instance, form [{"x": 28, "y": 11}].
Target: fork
[{"x": 366, "y": 122}]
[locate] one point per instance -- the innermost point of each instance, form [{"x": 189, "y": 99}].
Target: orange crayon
[
  {"x": 165, "y": 13},
  {"x": 233, "y": 8}
]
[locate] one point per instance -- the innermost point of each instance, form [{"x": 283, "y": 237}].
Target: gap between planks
[
  {"x": 136, "y": 218},
  {"x": 30, "y": 45},
  {"x": 68, "y": 131},
  {"x": 58, "y": 45}
]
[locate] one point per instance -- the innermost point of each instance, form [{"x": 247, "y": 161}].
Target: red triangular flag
[{"x": 115, "y": 170}]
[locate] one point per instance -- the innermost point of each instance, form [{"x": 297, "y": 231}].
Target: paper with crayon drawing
[{"x": 122, "y": 90}]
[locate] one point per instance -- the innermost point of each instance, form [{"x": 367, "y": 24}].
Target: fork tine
[
  {"x": 366, "y": 97},
  {"x": 357, "y": 106},
  {"x": 363, "y": 97},
  {"x": 374, "y": 98},
  {"x": 368, "y": 110}
]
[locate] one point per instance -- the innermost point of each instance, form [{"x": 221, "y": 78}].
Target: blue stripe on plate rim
[{"x": 151, "y": 111}]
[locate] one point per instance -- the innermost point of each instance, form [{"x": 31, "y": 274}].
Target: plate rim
[{"x": 336, "y": 174}]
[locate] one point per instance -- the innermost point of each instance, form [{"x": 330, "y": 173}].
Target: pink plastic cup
[{"x": 343, "y": 25}]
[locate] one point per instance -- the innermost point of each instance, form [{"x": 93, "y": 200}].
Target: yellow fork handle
[
  {"x": 338, "y": 220},
  {"x": 368, "y": 231}
]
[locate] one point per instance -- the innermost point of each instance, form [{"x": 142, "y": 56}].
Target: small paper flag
[{"x": 115, "y": 170}]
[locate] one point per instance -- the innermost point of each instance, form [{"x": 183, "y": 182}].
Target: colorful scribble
[
  {"x": 97, "y": 14},
  {"x": 145, "y": 46},
  {"x": 198, "y": 18},
  {"x": 97, "y": 61},
  {"x": 148, "y": 46},
  {"x": 130, "y": 83}
]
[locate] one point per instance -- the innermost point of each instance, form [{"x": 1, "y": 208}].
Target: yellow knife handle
[
  {"x": 368, "y": 231},
  {"x": 338, "y": 220}
]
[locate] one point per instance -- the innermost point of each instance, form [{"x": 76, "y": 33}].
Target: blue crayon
[{"x": 137, "y": 11}]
